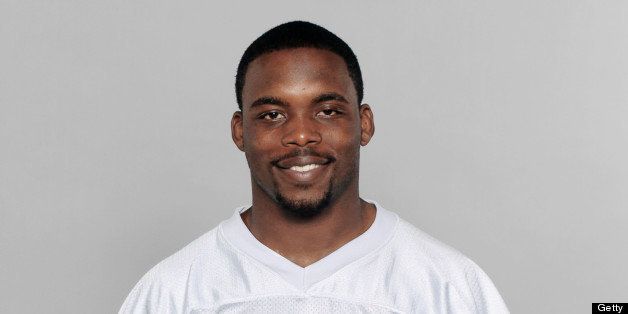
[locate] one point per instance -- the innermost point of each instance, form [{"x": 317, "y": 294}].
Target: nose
[{"x": 301, "y": 131}]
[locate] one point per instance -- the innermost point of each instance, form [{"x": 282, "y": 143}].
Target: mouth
[
  {"x": 307, "y": 174},
  {"x": 304, "y": 169}
]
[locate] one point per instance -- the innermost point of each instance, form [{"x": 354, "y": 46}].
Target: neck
[{"x": 305, "y": 241}]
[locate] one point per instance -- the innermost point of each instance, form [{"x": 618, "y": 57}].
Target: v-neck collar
[{"x": 238, "y": 235}]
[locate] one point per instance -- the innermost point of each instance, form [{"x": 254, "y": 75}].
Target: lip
[
  {"x": 305, "y": 176},
  {"x": 302, "y": 161},
  {"x": 301, "y": 177}
]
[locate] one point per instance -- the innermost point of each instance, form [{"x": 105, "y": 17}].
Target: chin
[{"x": 304, "y": 207}]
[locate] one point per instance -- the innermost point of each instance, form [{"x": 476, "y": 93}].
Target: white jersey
[{"x": 393, "y": 267}]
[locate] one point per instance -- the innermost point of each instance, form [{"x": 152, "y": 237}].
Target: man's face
[{"x": 301, "y": 128}]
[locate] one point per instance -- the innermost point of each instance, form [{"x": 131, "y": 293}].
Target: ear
[
  {"x": 367, "y": 124},
  {"x": 237, "y": 129}
]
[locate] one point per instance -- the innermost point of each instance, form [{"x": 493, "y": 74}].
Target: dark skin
[{"x": 300, "y": 107}]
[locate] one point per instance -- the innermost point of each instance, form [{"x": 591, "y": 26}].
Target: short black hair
[{"x": 299, "y": 34}]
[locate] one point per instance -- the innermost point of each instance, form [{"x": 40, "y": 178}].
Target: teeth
[{"x": 304, "y": 168}]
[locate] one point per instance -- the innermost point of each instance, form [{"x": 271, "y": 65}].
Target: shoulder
[
  {"x": 446, "y": 266},
  {"x": 422, "y": 247},
  {"x": 162, "y": 288}
]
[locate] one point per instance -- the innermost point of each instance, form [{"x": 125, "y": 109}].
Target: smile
[
  {"x": 301, "y": 170},
  {"x": 305, "y": 168},
  {"x": 305, "y": 173}
]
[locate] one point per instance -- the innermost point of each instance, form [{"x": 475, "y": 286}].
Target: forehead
[{"x": 299, "y": 71}]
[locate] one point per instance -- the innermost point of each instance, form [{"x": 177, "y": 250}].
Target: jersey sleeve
[
  {"x": 485, "y": 295},
  {"x": 135, "y": 302},
  {"x": 149, "y": 296},
  {"x": 139, "y": 300}
]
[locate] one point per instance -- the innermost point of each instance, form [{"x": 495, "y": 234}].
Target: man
[{"x": 309, "y": 243}]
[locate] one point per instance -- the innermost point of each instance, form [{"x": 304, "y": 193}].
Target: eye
[
  {"x": 328, "y": 113},
  {"x": 272, "y": 116}
]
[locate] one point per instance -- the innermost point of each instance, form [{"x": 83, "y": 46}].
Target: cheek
[
  {"x": 256, "y": 141},
  {"x": 259, "y": 148},
  {"x": 343, "y": 139}
]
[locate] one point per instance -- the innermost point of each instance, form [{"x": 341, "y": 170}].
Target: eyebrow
[
  {"x": 270, "y": 100},
  {"x": 329, "y": 96}
]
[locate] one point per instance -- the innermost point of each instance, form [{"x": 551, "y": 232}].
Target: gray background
[{"x": 501, "y": 130}]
